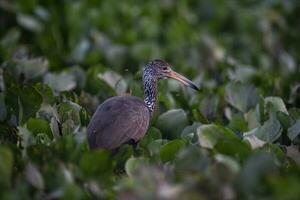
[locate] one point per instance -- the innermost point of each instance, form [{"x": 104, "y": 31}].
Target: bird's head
[{"x": 161, "y": 69}]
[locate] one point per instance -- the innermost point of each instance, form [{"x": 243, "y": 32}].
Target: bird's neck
[{"x": 150, "y": 90}]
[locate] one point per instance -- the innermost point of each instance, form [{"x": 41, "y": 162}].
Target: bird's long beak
[{"x": 182, "y": 79}]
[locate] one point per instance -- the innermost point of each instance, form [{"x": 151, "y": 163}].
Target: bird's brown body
[
  {"x": 110, "y": 127},
  {"x": 121, "y": 119}
]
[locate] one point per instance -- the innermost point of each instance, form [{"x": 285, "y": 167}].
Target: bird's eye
[{"x": 165, "y": 68}]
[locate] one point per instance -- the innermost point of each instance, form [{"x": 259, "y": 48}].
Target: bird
[{"x": 125, "y": 119}]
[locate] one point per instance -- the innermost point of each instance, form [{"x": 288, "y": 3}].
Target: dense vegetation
[{"x": 236, "y": 139}]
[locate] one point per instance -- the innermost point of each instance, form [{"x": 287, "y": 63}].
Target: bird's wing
[{"x": 116, "y": 121}]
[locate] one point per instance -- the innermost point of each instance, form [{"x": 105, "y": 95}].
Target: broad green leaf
[
  {"x": 46, "y": 92},
  {"x": 169, "y": 150},
  {"x": 191, "y": 159},
  {"x": 256, "y": 167},
  {"x": 252, "y": 139},
  {"x": 294, "y": 130},
  {"x": 209, "y": 106},
  {"x": 172, "y": 122},
  {"x": 208, "y": 135},
  {"x": 242, "y": 96},
  {"x": 279, "y": 154},
  {"x": 151, "y": 135},
  {"x": 233, "y": 147},
  {"x": 111, "y": 78},
  {"x": 69, "y": 111},
  {"x": 277, "y": 104},
  {"x": 252, "y": 119},
  {"x": 154, "y": 146},
  {"x": 192, "y": 129},
  {"x": 284, "y": 120},
  {"x": 68, "y": 127},
  {"x": 270, "y": 131},
  {"x": 123, "y": 154},
  {"x": 231, "y": 163},
  {"x": 133, "y": 164},
  {"x": 238, "y": 123},
  {"x": 30, "y": 101},
  {"x": 96, "y": 163},
  {"x": 32, "y": 67},
  {"x": 36, "y": 125},
  {"x": 72, "y": 191},
  {"x": 6, "y": 167},
  {"x": 24, "y": 101},
  {"x": 95, "y": 85},
  {"x": 60, "y": 82}
]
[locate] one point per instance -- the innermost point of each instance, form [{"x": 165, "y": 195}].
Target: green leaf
[
  {"x": 6, "y": 167},
  {"x": 96, "y": 163},
  {"x": 208, "y": 135},
  {"x": 36, "y": 125},
  {"x": 270, "y": 131},
  {"x": 151, "y": 135},
  {"x": 275, "y": 104},
  {"x": 123, "y": 154},
  {"x": 229, "y": 162},
  {"x": 46, "y": 92},
  {"x": 24, "y": 101},
  {"x": 172, "y": 122},
  {"x": 69, "y": 111},
  {"x": 192, "y": 129},
  {"x": 133, "y": 164},
  {"x": 235, "y": 148},
  {"x": 191, "y": 159},
  {"x": 68, "y": 127},
  {"x": 284, "y": 120},
  {"x": 60, "y": 82},
  {"x": 242, "y": 96},
  {"x": 32, "y": 67},
  {"x": 169, "y": 150},
  {"x": 95, "y": 85},
  {"x": 294, "y": 130},
  {"x": 252, "y": 139},
  {"x": 238, "y": 123},
  {"x": 72, "y": 191},
  {"x": 154, "y": 146},
  {"x": 254, "y": 169},
  {"x": 209, "y": 106}
]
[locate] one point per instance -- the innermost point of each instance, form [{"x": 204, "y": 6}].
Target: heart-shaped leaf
[
  {"x": 172, "y": 122},
  {"x": 168, "y": 151},
  {"x": 242, "y": 96}
]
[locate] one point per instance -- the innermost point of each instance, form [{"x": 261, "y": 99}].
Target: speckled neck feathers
[{"x": 150, "y": 89}]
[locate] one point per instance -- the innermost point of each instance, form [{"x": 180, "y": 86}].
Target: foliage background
[{"x": 237, "y": 138}]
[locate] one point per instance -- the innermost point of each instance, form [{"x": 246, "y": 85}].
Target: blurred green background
[{"x": 236, "y": 139}]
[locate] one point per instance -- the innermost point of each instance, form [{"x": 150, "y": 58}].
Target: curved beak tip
[
  {"x": 195, "y": 88},
  {"x": 183, "y": 80}
]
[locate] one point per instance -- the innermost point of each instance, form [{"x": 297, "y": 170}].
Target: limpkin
[{"x": 124, "y": 119}]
